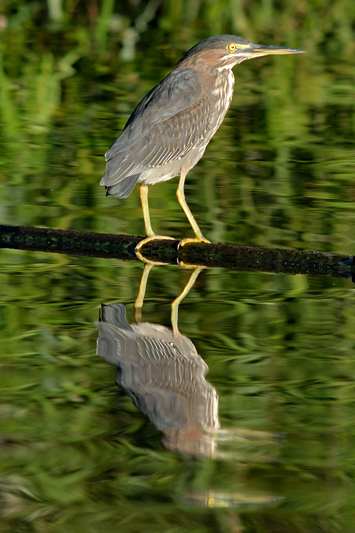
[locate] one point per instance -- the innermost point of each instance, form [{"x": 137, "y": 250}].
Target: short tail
[{"x": 123, "y": 188}]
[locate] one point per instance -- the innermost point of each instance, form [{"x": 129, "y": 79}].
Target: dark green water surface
[{"x": 77, "y": 454}]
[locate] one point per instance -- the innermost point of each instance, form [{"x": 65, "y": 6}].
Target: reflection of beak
[{"x": 258, "y": 50}]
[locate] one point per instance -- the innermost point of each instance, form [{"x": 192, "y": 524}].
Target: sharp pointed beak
[{"x": 258, "y": 50}]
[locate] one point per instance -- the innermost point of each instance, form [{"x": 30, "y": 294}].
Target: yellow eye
[{"x": 231, "y": 47}]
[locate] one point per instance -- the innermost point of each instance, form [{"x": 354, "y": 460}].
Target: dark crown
[{"x": 217, "y": 41}]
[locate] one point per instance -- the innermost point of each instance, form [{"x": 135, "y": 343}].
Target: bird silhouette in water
[{"x": 165, "y": 376}]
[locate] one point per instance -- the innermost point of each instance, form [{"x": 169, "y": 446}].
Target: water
[{"x": 277, "y": 453}]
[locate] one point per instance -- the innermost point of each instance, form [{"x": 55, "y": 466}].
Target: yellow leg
[
  {"x": 180, "y": 193},
  {"x": 179, "y": 299},
  {"x": 138, "y": 304},
  {"x": 143, "y": 191}
]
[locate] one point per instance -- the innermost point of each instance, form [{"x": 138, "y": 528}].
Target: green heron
[{"x": 169, "y": 130}]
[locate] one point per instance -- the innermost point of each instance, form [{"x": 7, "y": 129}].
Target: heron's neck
[{"x": 225, "y": 77}]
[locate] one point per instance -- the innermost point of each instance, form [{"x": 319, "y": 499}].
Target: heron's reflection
[{"x": 162, "y": 371}]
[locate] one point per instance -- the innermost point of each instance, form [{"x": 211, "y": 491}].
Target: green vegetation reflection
[{"x": 76, "y": 455}]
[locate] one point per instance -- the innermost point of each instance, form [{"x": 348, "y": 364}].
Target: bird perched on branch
[{"x": 169, "y": 130}]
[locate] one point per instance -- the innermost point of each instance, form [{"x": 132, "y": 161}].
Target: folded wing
[{"x": 170, "y": 120}]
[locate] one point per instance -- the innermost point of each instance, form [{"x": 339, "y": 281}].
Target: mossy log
[{"x": 231, "y": 256}]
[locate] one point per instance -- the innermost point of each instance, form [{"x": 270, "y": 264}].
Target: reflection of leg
[
  {"x": 179, "y": 299},
  {"x": 180, "y": 193},
  {"x": 143, "y": 191},
  {"x": 138, "y": 304}
]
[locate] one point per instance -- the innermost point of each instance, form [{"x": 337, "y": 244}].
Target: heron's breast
[{"x": 221, "y": 97}]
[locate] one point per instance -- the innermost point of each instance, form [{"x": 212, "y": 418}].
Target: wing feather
[{"x": 171, "y": 120}]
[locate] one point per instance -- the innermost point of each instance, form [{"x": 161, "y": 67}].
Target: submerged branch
[{"x": 232, "y": 256}]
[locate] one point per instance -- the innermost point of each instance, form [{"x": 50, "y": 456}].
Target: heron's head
[{"x": 226, "y": 51}]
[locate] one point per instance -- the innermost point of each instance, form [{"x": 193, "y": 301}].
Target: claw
[
  {"x": 191, "y": 240},
  {"x": 147, "y": 240}
]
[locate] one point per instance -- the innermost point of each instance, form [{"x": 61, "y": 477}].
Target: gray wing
[{"x": 165, "y": 126}]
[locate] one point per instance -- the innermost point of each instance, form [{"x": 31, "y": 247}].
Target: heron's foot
[
  {"x": 191, "y": 240},
  {"x": 147, "y": 240}
]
